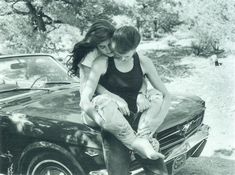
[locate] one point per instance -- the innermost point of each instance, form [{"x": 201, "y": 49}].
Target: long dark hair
[{"x": 100, "y": 31}]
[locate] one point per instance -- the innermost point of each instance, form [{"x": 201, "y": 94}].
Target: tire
[{"x": 53, "y": 164}]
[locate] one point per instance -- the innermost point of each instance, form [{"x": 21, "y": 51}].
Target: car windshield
[{"x": 31, "y": 71}]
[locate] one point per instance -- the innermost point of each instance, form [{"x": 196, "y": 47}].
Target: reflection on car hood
[
  {"x": 61, "y": 104},
  {"x": 183, "y": 108},
  {"x": 64, "y": 105},
  {"x": 54, "y": 116},
  {"x": 58, "y": 113}
]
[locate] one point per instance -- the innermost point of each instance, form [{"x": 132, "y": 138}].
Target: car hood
[
  {"x": 49, "y": 115},
  {"x": 183, "y": 108},
  {"x": 58, "y": 104},
  {"x": 58, "y": 114}
]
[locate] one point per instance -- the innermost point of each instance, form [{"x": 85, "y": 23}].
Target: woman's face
[{"x": 104, "y": 48}]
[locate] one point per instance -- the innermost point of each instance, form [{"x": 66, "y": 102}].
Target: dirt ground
[
  {"x": 208, "y": 166},
  {"x": 215, "y": 85}
]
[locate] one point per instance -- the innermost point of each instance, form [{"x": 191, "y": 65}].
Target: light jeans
[
  {"x": 114, "y": 121},
  {"x": 118, "y": 133},
  {"x": 117, "y": 156}
]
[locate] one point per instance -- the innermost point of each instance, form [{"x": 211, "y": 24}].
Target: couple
[{"x": 114, "y": 96}]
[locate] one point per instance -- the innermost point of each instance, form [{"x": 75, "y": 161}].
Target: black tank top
[{"x": 124, "y": 84}]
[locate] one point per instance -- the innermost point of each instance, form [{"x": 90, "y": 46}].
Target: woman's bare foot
[{"x": 142, "y": 147}]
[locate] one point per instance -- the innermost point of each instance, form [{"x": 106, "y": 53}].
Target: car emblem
[{"x": 185, "y": 128}]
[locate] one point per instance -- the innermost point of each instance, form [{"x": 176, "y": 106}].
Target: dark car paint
[
  {"x": 56, "y": 116},
  {"x": 61, "y": 109}
]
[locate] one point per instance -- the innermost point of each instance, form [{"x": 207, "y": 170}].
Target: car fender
[{"x": 37, "y": 147}]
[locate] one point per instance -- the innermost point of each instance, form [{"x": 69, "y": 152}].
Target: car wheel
[{"x": 51, "y": 164}]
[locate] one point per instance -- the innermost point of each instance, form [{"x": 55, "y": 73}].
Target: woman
[
  {"x": 95, "y": 44},
  {"x": 123, "y": 76}
]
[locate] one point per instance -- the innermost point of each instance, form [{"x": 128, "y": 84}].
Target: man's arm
[
  {"x": 156, "y": 82},
  {"x": 142, "y": 102}
]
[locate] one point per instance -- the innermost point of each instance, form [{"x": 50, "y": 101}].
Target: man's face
[
  {"x": 104, "y": 48},
  {"x": 124, "y": 57}
]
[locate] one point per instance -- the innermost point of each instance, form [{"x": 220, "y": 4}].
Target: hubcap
[{"x": 50, "y": 167}]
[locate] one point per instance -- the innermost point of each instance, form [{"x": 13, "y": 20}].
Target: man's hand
[
  {"x": 142, "y": 103},
  {"x": 122, "y": 105}
]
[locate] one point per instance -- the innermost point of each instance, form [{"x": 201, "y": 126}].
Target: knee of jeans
[
  {"x": 101, "y": 100},
  {"x": 110, "y": 107}
]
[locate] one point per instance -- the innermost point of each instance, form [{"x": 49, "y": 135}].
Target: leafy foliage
[
  {"x": 157, "y": 15},
  {"x": 211, "y": 23},
  {"x": 41, "y": 25},
  {"x": 28, "y": 24}
]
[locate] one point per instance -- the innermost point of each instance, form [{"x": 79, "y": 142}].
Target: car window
[{"x": 25, "y": 70}]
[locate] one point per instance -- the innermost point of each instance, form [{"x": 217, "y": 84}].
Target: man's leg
[
  {"x": 117, "y": 156},
  {"x": 149, "y": 123},
  {"x": 147, "y": 126},
  {"x": 153, "y": 167}
]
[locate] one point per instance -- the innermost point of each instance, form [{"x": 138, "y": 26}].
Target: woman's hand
[
  {"x": 122, "y": 105},
  {"x": 142, "y": 103}
]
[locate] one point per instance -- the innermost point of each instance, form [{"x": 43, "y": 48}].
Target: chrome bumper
[
  {"x": 201, "y": 134},
  {"x": 190, "y": 142}
]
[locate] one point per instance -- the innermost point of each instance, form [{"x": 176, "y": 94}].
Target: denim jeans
[{"x": 117, "y": 156}]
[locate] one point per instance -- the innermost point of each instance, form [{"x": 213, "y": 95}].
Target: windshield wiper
[
  {"x": 23, "y": 89},
  {"x": 58, "y": 82}
]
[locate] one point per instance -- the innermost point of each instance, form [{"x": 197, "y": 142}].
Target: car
[{"x": 41, "y": 131}]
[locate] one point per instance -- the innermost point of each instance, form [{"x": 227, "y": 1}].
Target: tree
[
  {"x": 157, "y": 14},
  {"x": 38, "y": 18}
]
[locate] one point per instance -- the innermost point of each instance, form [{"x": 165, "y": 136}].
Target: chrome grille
[{"x": 177, "y": 134}]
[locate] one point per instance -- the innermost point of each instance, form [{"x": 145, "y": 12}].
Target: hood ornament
[{"x": 184, "y": 130}]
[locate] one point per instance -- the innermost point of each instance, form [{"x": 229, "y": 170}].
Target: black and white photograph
[{"x": 117, "y": 87}]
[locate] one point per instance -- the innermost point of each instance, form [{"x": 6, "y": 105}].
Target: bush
[
  {"x": 201, "y": 47},
  {"x": 206, "y": 46},
  {"x": 210, "y": 22}
]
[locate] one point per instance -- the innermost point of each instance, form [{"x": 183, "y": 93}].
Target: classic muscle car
[{"x": 41, "y": 131}]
